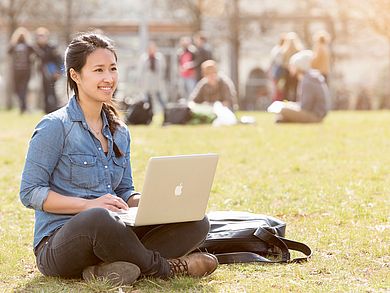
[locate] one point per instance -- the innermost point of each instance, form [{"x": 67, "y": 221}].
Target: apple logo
[{"x": 179, "y": 189}]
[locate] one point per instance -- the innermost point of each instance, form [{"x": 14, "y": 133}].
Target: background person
[
  {"x": 321, "y": 58},
  {"x": 151, "y": 74},
  {"x": 202, "y": 54},
  {"x": 21, "y": 52},
  {"x": 214, "y": 86},
  {"x": 276, "y": 70},
  {"x": 291, "y": 45},
  {"x": 50, "y": 67},
  {"x": 186, "y": 55},
  {"x": 78, "y": 170},
  {"x": 313, "y": 94}
]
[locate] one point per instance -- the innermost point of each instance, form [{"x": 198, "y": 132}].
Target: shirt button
[
  {"x": 108, "y": 185},
  {"x": 99, "y": 149},
  {"x": 85, "y": 163},
  {"x": 106, "y": 167}
]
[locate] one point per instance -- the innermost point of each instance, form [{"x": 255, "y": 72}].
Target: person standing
[
  {"x": 50, "y": 68},
  {"x": 151, "y": 74},
  {"x": 321, "y": 58},
  {"x": 276, "y": 70},
  {"x": 21, "y": 52},
  {"x": 186, "y": 55},
  {"x": 291, "y": 45},
  {"x": 77, "y": 172},
  {"x": 203, "y": 53}
]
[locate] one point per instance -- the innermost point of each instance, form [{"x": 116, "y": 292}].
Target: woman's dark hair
[{"x": 76, "y": 56}]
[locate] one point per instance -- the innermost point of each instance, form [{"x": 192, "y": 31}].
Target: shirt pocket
[
  {"x": 119, "y": 168},
  {"x": 84, "y": 171}
]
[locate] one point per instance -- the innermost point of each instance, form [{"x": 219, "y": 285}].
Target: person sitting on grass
[
  {"x": 77, "y": 171},
  {"x": 312, "y": 92},
  {"x": 213, "y": 87}
]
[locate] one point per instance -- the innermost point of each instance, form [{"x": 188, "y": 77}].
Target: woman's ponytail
[{"x": 113, "y": 123}]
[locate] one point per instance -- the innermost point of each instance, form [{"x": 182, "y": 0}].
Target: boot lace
[{"x": 178, "y": 267}]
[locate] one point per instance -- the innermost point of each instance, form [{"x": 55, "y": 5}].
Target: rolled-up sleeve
[
  {"x": 125, "y": 189},
  {"x": 43, "y": 153}
]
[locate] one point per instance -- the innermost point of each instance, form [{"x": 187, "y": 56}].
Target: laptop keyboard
[{"x": 127, "y": 216}]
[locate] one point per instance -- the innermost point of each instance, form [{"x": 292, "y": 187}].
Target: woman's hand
[
  {"x": 108, "y": 201},
  {"x": 59, "y": 204},
  {"x": 134, "y": 200}
]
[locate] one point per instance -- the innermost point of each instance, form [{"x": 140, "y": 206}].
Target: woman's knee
[
  {"x": 98, "y": 218},
  {"x": 202, "y": 227}
]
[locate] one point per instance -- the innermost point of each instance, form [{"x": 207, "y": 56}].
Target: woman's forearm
[{"x": 59, "y": 204}]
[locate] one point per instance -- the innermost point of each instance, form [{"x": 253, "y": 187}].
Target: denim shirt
[{"x": 65, "y": 157}]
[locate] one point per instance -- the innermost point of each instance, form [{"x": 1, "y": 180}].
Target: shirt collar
[
  {"x": 74, "y": 110},
  {"x": 76, "y": 114},
  {"x": 106, "y": 128}
]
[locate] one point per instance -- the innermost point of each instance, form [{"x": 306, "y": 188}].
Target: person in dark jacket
[
  {"x": 312, "y": 92},
  {"x": 51, "y": 67},
  {"x": 21, "y": 52},
  {"x": 202, "y": 54}
]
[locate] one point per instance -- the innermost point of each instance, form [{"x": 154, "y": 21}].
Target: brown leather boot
[
  {"x": 194, "y": 265},
  {"x": 118, "y": 273}
]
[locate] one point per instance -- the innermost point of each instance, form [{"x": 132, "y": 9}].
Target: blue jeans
[
  {"x": 188, "y": 85},
  {"x": 158, "y": 97},
  {"x": 96, "y": 236}
]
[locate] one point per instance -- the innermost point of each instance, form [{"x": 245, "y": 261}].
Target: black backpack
[
  {"x": 242, "y": 237},
  {"x": 176, "y": 113},
  {"x": 139, "y": 112}
]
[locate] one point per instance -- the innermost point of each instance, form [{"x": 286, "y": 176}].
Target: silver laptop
[{"x": 176, "y": 189}]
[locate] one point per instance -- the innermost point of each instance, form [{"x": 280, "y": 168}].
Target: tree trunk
[
  {"x": 388, "y": 73},
  {"x": 234, "y": 26},
  {"x": 386, "y": 102},
  {"x": 198, "y": 17},
  {"x": 9, "y": 82},
  {"x": 68, "y": 21}
]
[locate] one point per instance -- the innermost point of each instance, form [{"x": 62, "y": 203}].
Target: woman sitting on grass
[
  {"x": 78, "y": 170},
  {"x": 313, "y": 94}
]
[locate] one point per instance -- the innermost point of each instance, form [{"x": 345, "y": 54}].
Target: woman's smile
[{"x": 107, "y": 89}]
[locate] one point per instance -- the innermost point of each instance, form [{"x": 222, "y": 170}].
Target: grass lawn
[{"x": 329, "y": 182}]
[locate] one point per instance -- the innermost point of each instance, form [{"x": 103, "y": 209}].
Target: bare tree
[
  {"x": 194, "y": 10},
  {"x": 379, "y": 16},
  {"x": 379, "y": 19},
  {"x": 64, "y": 15},
  {"x": 234, "y": 40},
  {"x": 60, "y": 16},
  {"x": 376, "y": 13},
  {"x": 12, "y": 11},
  {"x": 191, "y": 10}
]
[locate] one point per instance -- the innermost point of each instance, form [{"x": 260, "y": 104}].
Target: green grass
[{"x": 329, "y": 182}]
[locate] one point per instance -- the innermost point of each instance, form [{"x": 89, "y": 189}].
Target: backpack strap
[
  {"x": 240, "y": 257},
  {"x": 298, "y": 246},
  {"x": 270, "y": 238},
  {"x": 266, "y": 236},
  {"x": 284, "y": 245}
]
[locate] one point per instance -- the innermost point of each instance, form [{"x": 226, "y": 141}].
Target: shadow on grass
[{"x": 54, "y": 284}]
